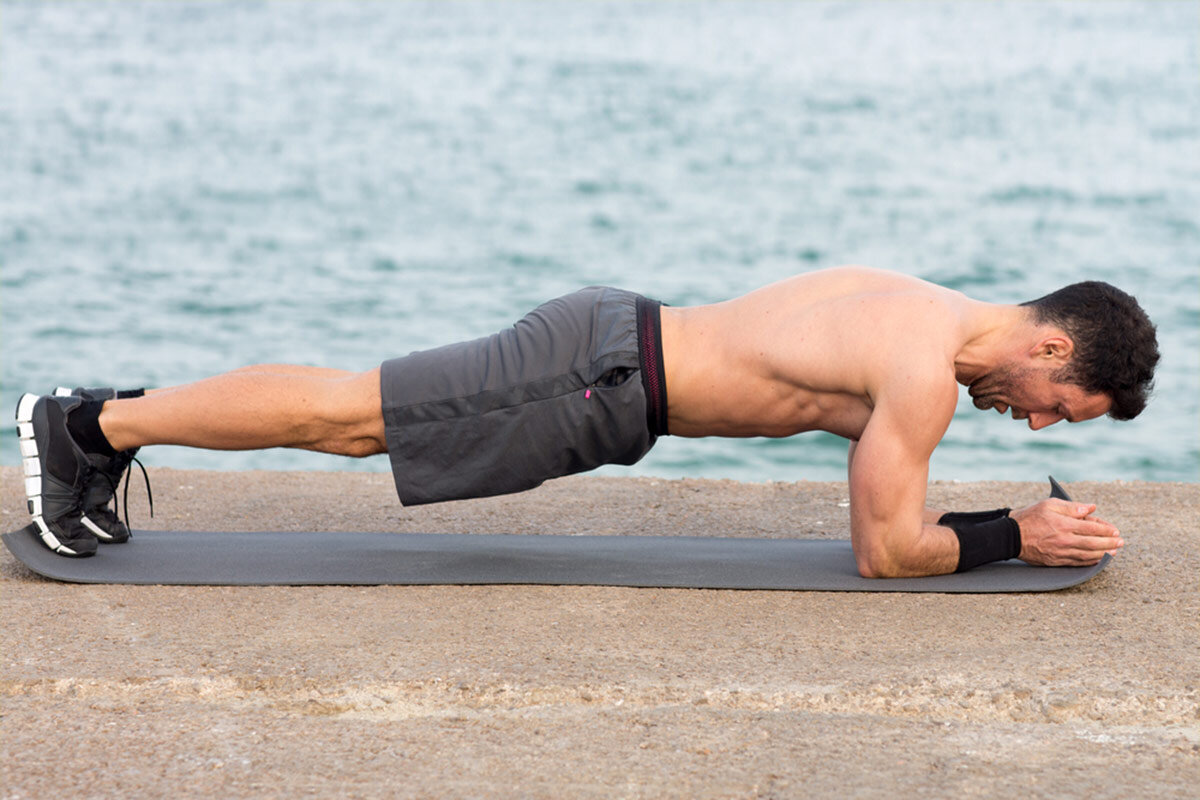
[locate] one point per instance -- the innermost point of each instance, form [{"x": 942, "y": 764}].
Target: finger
[
  {"x": 1075, "y": 560},
  {"x": 1082, "y": 557},
  {"x": 1095, "y": 527},
  {"x": 1082, "y": 510},
  {"x": 1070, "y": 508},
  {"x": 1090, "y": 527},
  {"x": 1087, "y": 561},
  {"x": 1089, "y": 545}
]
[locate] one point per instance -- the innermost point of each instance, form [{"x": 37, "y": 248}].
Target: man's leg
[
  {"x": 75, "y": 446},
  {"x": 269, "y": 405}
]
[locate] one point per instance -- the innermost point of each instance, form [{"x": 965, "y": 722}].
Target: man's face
[{"x": 1032, "y": 394}]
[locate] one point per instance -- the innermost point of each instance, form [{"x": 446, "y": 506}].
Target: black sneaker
[
  {"x": 101, "y": 489},
  {"x": 57, "y": 472}
]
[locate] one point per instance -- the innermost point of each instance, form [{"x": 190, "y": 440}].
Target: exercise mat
[{"x": 322, "y": 558}]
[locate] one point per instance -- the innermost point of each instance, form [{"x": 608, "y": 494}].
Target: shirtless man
[{"x": 873, "y": 356}]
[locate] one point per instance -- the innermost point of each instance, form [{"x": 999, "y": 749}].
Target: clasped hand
[{"x": 1062, "y": 533}]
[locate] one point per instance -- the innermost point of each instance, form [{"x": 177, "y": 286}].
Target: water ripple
[{"x": 190, "y": 187}]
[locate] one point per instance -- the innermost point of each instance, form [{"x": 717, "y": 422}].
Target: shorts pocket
[{"x": 616, "y": 376}]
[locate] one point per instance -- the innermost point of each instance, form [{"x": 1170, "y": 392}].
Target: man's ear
[{"x": 1058, "y": 348}]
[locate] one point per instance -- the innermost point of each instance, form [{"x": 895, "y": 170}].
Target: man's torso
[{"x": 804, "y": 353}]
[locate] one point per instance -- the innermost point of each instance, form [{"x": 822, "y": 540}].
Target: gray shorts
[{"x": 561, "y": 391}]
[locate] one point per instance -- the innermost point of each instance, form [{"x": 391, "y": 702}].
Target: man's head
[{"x": 1114, "y": 349}]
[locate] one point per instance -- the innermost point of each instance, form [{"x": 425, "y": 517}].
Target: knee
[
  {"x": 361, "y": 448},
  {"x": 349, "y": 416}
]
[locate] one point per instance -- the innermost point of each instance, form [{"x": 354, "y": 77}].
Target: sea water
[{"x": 190, "y": 187}]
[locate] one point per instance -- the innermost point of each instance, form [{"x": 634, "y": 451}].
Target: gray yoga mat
[{"x": 319, "y": 558}]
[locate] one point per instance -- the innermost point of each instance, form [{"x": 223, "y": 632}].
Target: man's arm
[
  {"x": 896, "y": 535},
  {"x": 889, "y": 468},
  {"x": 930, "y": 515}
]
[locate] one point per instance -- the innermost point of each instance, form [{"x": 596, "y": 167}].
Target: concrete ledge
[{"x": 599, "y": 692}]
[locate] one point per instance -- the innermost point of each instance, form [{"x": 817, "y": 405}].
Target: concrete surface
[{"x": 445, "y": 691}]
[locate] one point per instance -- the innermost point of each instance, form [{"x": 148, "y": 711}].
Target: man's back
[{"x": 806, "y": 353}]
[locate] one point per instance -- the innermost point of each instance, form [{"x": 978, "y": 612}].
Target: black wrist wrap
[
  {"x": 983, "y": 536},
  {"x": 953, "y": 518}
]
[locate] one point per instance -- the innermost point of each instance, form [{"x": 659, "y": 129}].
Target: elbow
[
  {"x": 868, "y": 570},
  {"x": 876, "y": 562},
  {"x": 883, "y": 561}
]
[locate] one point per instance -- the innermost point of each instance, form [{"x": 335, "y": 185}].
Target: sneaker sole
[
  {"x": 104, "y": 536},
  {"x": 31, "y": 465}
]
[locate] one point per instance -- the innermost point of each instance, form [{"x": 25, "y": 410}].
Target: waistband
[{"x": 654, "y": 381}]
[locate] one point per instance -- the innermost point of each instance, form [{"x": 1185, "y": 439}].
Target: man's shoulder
[{"x": 914, "y": 338}]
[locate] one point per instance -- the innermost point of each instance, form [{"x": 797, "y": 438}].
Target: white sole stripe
[
  {"x": 50, "y": 539},
  {"x": 25, "y": 407},
  {"x": 31, "y": 465},
  {"x": 94, "y": 528}
]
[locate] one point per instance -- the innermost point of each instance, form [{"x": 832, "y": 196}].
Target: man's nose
[{"x": 1039, "y": 421}]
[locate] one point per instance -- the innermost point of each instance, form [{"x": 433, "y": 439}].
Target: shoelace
[
  {"x": 125, "y": 499},
  {"x": 76, "y": 510},
  {"x": 146, "y": 478}
]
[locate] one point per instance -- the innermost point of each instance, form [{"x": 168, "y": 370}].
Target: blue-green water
[{"x": 190, "y": 187}]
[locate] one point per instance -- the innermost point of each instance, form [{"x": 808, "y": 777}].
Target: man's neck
[{"x": 994, "y": 336}]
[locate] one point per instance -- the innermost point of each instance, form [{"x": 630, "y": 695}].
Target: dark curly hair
[{"x": 1115, "y": 344}]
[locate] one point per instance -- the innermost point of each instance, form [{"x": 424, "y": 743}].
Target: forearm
[
  {"x": 927, "y": 549},
  {"x": 935, "y": 552}
]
